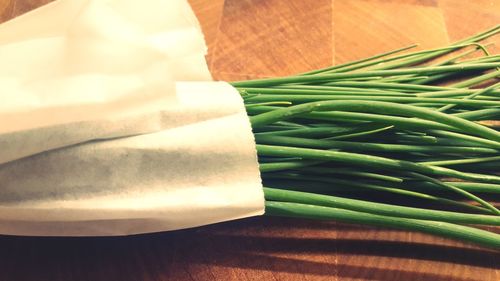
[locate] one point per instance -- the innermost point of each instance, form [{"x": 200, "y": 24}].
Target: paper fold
[
  {"x": 202, "y": 169},
  {"x": 90, "y": 63},
  {"x": 104, "y": 137}
]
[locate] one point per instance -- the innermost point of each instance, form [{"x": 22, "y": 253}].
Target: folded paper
[
  {"x": 201, "y": 170},
  {"x": 77, "y": 70},
  {"x": 99, "y": 135}
]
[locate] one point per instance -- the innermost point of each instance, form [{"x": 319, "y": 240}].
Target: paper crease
[{"x": 118, "y": 130}]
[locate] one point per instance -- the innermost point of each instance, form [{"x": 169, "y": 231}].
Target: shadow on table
[
  {"x": 339, "y": 269},
  {"x": 408, "y": 250},
  {"x": 190, "y": 254}
]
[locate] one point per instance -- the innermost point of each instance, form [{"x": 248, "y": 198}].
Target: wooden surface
[{"x": 255, "y": 38}]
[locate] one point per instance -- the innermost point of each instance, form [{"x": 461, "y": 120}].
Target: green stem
[
  {"x": 367, "y": 146},
  {"x": 481, "y": 114},
  {"x": 394, "y": 99},
  {"x": 377, "y": 106},
  {"x": 273, "y": 194},
  {"x": 467, "y": 138},
  {"x": 382, "y": 73},
  {"x": 280, "y": 91},
  {"x": 388, "y": 85},
  {"x": 468, "y": 234},
  {"x": 476, "y": 80},
  {"x": 358, "y": 62},
  {"x": 288, "y": 165},
  {"x": 471, "y": 96},
  {"x": 386, "y": 120},
  {"x": 371, "y": 161},
  {"x": 381, "y": 188},
  {"x": 462, "y": 161}
]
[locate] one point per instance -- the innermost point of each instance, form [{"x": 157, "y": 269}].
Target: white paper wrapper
[
  {"x": 201, "y": 170},
  {"x": 104, "y": 145},
  {"x": 77, "y": 70}
]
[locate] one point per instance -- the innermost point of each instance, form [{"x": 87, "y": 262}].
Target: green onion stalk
[{"x": 406, "y": 140}]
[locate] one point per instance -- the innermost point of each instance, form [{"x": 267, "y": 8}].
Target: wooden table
[{"x": 256, "y": 38}]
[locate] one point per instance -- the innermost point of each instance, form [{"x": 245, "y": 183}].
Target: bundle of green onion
[{"x": 409, "y": 141}]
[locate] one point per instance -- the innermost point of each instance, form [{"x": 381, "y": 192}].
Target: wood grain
[
  {"x": 263, "y": 38},
  {"x": 255, "y": 38},
  {"x": 376, "y": 26},
  {"x": 209, "y": 14},
  {"x": 480, "y": 15}
]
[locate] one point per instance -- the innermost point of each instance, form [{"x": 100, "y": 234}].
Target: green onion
[
  {"x": 393, "y": 124},
  {"x": 455, "y": 231}
]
